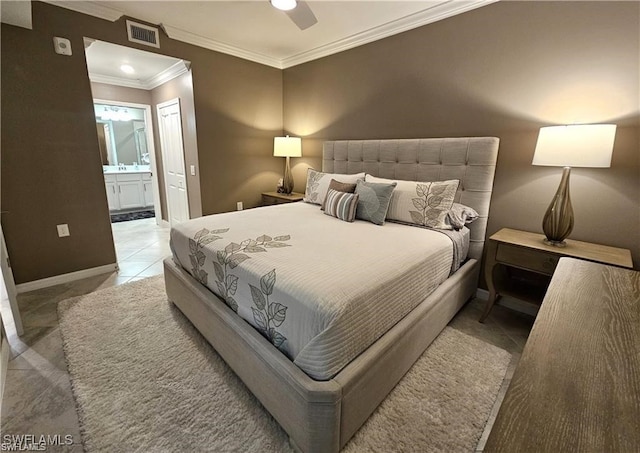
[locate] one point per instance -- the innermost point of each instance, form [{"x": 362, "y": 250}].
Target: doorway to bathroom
[{"x": 127, "y": 152}]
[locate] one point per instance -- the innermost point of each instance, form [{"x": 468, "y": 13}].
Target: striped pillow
[{"x": 341, "y": 205}]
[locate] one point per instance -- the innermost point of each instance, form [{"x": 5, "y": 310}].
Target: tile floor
[{"x": 37, "y": 398}]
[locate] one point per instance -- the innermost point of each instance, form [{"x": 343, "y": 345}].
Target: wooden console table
[{"x": 577, "y": 385}]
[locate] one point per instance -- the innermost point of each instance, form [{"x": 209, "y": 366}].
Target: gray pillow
[
  {"x": 460, "y": 215},
  {"x": 373, "y": 200},
  {"x": 341, "y": 205}
]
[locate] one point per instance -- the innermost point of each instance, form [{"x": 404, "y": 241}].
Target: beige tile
[
  {"x": 39, "y": 404},
  {"x": 133, "y": 268},
  {"x": 124, "y": 253},
  {"x": 39, "y": 349},
  {"x": 40, "y": 314},
  {"x": 148, "y": 254},
  {"x": 156, "y": 268}
]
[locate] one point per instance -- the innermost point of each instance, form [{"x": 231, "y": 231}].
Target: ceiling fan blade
[{"x": 302, "y": 16}]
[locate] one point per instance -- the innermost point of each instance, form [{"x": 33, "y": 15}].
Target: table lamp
[
  {"x": 287, "y": 147},
  {"x": 584, "y": 145}
]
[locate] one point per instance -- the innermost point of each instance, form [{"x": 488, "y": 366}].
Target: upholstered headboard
[{"x": 472, "y": 160}]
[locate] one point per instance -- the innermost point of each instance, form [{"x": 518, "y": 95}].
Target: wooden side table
[
  {"x": 526, "y": 251},
  {"x": 271, "y": 198}
]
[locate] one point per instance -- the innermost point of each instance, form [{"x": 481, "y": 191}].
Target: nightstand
[
  {"x": 519, "y": 264},
  {"x": 270, "y": 198}
]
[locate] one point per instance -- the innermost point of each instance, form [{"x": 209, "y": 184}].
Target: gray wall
[{"x": 502, "y": 70}]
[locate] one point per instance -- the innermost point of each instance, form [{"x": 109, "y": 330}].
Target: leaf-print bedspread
[{"x": 319, "y": 289}]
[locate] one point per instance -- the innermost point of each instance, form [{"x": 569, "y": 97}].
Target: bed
[{"x": 322, "y": 402}]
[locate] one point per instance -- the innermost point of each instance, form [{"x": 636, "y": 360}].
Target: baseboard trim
[
  {"x": 65, "y": 278},
  {"x": 510, "y": 302}
]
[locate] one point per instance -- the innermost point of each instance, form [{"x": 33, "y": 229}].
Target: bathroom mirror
[{"x": 121, "y": 135}]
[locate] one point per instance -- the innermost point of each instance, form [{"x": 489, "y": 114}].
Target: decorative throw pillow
[
  {"x": 341, "y": 205},
  {"x": 460, "y": 215},
  {"x": 421, "y": 203},
  {"x": 318, "y": 184},
  {"x": 340, "y": 187},
  {"x": 374, "y": 200}
]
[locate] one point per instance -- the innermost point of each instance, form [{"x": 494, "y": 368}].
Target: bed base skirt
[{"x": 319, "y": 416}]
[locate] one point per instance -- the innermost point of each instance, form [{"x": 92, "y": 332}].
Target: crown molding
[
  {"x": 119, "y": 81},
  {"x": 211, "y": 44},
  {"x": 91, "y": 8},
  {"x": 170, "y": 73},
  {"x": 438, "y": 12},
  {"x": 176, "y": 70},
  {"x": 428, "y": 16}
]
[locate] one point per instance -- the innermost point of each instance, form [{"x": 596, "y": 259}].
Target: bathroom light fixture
[
  {"x": 127, "y": 69},
  {"x": 584, "y": 145},
  {"x": 287, "y": 147},
  {"x": 284, "y": 5},
  {"x": 115, "y": 114}
]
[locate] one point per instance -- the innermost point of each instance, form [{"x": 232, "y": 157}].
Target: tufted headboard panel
[{"x": 472, "y": 160}]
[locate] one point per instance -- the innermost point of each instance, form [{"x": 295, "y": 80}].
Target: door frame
[
  {"x": 163, "y": 152},
  {"x": 9, "y": 285},
  {"x": 148, "y": 119}
]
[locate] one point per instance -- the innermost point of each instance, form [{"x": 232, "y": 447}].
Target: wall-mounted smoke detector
[{"x": 143, "y": 34}]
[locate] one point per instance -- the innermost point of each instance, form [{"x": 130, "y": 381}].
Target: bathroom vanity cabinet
[{"x": 128, "y": 190}]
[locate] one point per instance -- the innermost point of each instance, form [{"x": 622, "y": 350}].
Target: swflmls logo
[{"x": 32, "y": 442}]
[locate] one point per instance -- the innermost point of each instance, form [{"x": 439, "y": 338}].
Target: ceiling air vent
[{"x": 143, "y": 34}]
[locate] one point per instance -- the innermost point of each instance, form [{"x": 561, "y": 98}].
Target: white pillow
[
  {"x": 421, "y": 203},
  {"x": 318, "y": 184}
]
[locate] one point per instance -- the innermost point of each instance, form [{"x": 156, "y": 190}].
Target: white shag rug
[{"x": 145, "y": 380}]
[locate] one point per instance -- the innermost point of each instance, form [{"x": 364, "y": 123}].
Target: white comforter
[{"x": 320, "y": 289}]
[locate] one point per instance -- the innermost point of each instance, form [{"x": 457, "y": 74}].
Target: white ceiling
[
  {"x": 256, "y": 31},
  {"x": 150, "y": 69}
]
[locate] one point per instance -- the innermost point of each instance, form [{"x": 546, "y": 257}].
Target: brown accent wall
[
  {"x": 502, "y": 70},
  {"x": 51, "y": 169}
]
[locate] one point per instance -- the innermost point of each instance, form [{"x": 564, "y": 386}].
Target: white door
[
  {"x": 173, "y": 160},
  {"x": 8, "y": 286}
]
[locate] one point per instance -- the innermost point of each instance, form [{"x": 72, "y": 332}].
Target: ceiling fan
[{"x": 298, "y": 11}]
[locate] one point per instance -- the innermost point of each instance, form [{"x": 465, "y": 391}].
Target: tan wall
[
  {"x": 52, "y": 174},
  {"x": 123, "y": 94},
  {"x": 502, "y": 70}
]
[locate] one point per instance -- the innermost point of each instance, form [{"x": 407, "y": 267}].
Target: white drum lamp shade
[{"x": 287, "y": 147}]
